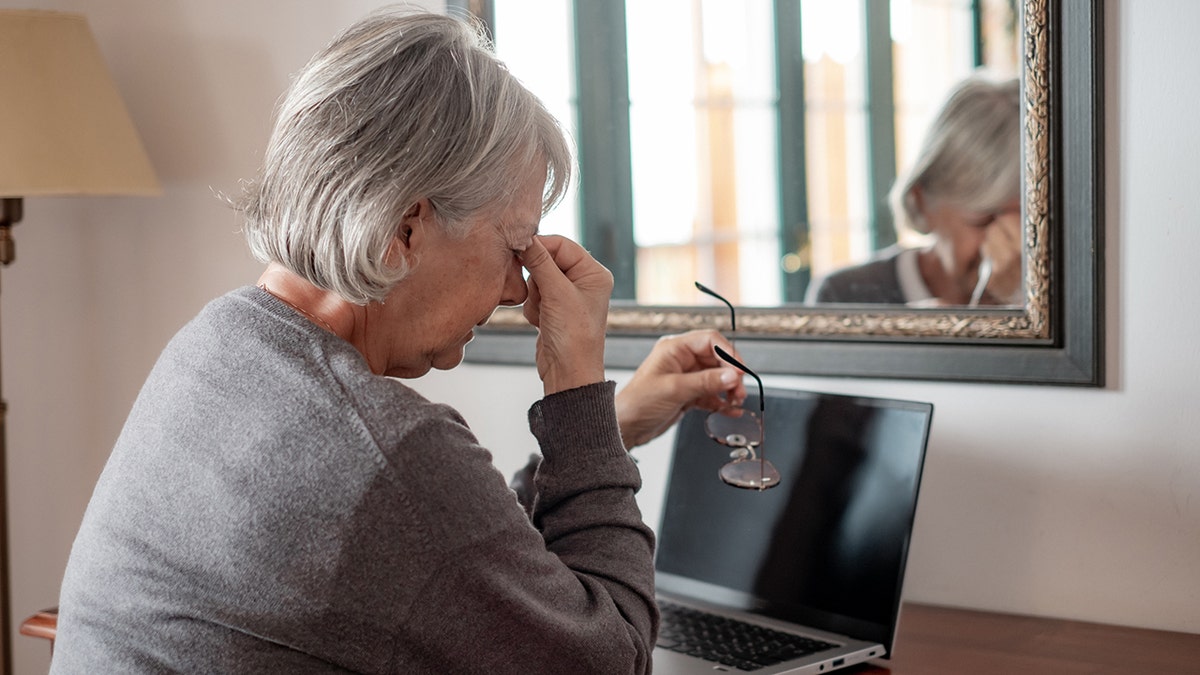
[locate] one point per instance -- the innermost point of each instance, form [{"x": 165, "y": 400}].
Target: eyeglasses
[
  {"x": 985, "y": 275},
  {"x": 741, "y": 429}
]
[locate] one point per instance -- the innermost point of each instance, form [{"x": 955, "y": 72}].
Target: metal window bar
[
  {"x": 881, "y": 120},
  {"x": 793, "y": 173},
  {"x": 977, "y": 31},
  {"x": 604, "y": 152}
]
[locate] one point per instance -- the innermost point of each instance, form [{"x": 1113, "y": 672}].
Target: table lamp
[{"x": 64, "y": 130}]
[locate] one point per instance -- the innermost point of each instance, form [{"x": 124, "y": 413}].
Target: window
[{"x": 748, "y": 144}]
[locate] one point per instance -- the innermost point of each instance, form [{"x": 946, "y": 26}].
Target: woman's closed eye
[{"x": 983, "y": 220}]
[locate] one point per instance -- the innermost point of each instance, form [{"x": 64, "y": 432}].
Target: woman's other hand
[
  {"x": 681, "y": 372},
  {"x": 568, "y": 303},
  {"x": 1002, "y": 246}
]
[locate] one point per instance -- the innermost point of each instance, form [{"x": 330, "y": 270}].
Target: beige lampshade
[{"x": 64, "y": 129}]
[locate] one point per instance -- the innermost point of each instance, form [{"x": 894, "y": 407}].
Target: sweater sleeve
[
  {"x": 574, "y": 593},
  {"x": 585, "y": 508}
]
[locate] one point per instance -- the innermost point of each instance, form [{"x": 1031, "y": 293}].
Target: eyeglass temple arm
[
  {"x": 725, "y": 356},
  {"x": 732, "y": 315}
]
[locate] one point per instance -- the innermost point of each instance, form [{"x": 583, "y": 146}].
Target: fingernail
[{"x": 730, "y": 376}]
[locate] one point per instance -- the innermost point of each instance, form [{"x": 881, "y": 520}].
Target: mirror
[{"x": 1052, "y": 336}]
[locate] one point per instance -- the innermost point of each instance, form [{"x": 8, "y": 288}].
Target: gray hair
[
  {"x": 400, "y": 107},
  {"x": 971, "y": 155}
]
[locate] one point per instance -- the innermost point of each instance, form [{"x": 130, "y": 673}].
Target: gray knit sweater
[{"x": 273, "y": 506}]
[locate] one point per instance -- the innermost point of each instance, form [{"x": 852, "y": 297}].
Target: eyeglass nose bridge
[{"x": 742, "y": 453}]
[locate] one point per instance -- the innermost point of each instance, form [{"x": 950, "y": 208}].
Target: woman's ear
[
  {"x": 918, "y": 198},
  {"x": 917, "y": 204},
  {"x": 411, "y": 232}
]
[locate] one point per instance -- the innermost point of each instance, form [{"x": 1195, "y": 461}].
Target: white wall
[{"x": 1050, "y": 501}]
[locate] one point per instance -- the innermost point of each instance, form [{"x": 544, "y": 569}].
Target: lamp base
[
  {"x": 11, "y": 211},
  {"x": 10, "y": 214}
]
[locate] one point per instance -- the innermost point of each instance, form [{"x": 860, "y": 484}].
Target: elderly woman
[
  {"x": 964, "y": 189},
  {"x": 279, "y": 502}
]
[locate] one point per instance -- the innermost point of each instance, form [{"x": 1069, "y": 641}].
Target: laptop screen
[{"x": 826, "y": 547}]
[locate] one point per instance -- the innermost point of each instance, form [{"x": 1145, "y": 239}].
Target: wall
[{"x": 1050, "y": 501}]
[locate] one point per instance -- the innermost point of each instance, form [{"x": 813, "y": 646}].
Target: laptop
[{"x": 813, "y": 566}]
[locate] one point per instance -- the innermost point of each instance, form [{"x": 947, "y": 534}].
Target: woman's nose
[{"x": 515, "y": 289}]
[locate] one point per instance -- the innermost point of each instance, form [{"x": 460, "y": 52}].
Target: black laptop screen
[{"x": 827, "y": 547}]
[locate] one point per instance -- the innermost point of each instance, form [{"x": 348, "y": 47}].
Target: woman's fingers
[{"x": 568, "y": 302}]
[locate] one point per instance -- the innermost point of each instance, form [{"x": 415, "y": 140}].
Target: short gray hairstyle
[
  {"x": 971, "y": 155},
  {"x": 400, "y": 107}
]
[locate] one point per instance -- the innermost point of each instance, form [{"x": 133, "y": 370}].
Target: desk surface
[{"x": 944, "y": 641}]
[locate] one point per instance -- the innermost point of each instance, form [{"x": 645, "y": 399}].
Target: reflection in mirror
[
  {"x": 963, "y": 192},
  {"x": 743, "y": 207},
  {"x": 759, "y": 138}
]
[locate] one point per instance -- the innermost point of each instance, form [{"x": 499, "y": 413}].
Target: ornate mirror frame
[{"x": 1056, "y": 339}]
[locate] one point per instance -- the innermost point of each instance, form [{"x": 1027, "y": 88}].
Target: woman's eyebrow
[{"x": 521, "y": 240}]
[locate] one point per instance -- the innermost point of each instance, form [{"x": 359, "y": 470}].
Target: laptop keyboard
[{"x": 730, "y": 642}]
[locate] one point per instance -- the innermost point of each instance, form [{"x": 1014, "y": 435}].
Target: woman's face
[
  {"x": 455, "y": 285},
  {"x": 959, "y": 234}
]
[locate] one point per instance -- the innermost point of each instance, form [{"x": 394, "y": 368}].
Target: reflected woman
[{"x": 964, "y": 191}]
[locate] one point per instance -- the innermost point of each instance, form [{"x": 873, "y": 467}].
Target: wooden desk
[
  {"x": 44, "y": 624},
  {"x": 943, "y": 641}
]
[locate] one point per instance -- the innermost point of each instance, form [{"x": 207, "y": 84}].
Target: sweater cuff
[{"x": 583, "y": 419}]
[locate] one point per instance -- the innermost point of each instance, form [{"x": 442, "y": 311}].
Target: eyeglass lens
[
  {"x": 735, "y": 432},
  {"x": 750, "y": 474}
]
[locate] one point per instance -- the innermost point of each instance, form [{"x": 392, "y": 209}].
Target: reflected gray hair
[
  {"x": 400, "y": 107},
  {"x": 971, "y": 155}
]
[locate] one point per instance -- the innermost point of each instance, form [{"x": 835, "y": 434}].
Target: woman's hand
[
  {"x": 1002, "y": 246},
  {"x": 568, "y": 303},
  {"x": 681, "y": 372}
]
